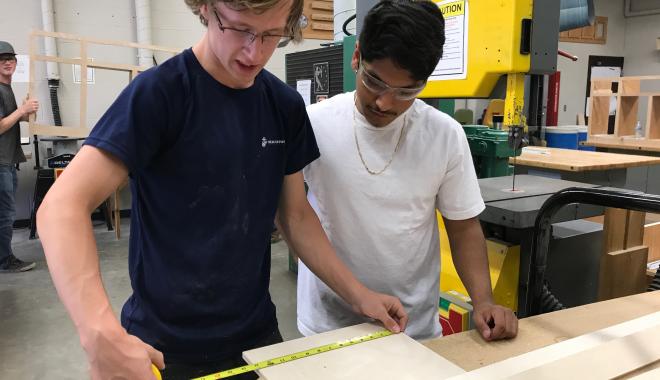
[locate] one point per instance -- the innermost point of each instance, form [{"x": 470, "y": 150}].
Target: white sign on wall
[
  {"x": 453, "y": 64},
  {"x": 22, "y": 73},
  {"x": 304, "y": 88}
]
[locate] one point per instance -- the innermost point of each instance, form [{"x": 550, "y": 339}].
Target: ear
[
  {"x": 204, "y": 11},
  {"x": 355, "y": 61}
]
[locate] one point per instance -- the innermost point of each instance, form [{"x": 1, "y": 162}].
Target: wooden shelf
[{"x": 628, "y": 98}]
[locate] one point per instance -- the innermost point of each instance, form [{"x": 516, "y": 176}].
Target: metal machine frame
[{"x": 542, "y": 228}]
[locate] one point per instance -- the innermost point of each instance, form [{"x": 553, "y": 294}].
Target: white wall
[
  {"x": 173, "y": 25},
  {"x": 574, "y": 74}
]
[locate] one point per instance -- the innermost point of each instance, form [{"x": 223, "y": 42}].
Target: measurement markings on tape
[{"x": 295, "y": 356}]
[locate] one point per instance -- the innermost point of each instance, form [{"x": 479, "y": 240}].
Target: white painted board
[
  {"x": 393, "y": 357},
  {"x": 607, "y": 361}
]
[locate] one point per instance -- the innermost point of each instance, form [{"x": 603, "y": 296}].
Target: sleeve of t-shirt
[
  {"x": 459, "y": 197},
  {"x": 3, "y": 109},
  {"x": 301, "y": 143},
  {"x": 135, "y": 125}
]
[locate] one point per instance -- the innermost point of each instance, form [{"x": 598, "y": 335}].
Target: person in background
[
  {"x": 388, "y": 162},
  {"x": 11, "y": 155}
]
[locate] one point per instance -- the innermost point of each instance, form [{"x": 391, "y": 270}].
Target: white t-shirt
[{"x": 384, "y": 227}]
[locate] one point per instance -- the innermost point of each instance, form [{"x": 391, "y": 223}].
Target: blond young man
[{"x": 214, "y": 146}]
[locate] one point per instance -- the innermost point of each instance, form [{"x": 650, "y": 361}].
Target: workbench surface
[
  {"x": 579, "y": 160},
  {"x": 469, "y": 351}
]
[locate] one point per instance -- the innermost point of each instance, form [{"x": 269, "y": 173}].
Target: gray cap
[{"x": 6, "y": 48}]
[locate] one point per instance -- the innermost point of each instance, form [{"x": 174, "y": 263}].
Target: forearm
[
  {"x": 306, "y": 237},
  {"x": 65, "y": 231},
  {"x": 470, "y": 257},
  {"x": 9, "y": 121}
]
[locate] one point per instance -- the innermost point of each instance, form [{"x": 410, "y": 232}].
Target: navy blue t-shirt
[{"x": 206, "y": 164}]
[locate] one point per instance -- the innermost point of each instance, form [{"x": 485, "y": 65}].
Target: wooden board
[
  {"x": 622, "y": 273},
  {"x": 606, "y": 361},
  {"x": 650, "y": 375},
  {"x": 651, "y": 234},
  {"x": 580, "y": 160},
  {"x": 392, "y": 357},
  {"x": 652, "y": 240},
  {"x": 623, "y": 336},
  {"x": 469, "y": 351}
]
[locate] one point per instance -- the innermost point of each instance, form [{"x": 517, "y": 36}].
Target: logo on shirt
[{"x": 265, "y": 142}]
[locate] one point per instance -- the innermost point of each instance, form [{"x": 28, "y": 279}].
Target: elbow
[
  {"x": 54, "y": 212},
  {"x": 294, "y": 216},
  {"x": 44, "y": 215}
]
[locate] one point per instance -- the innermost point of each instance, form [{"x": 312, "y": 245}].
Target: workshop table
[
  {"x": 626, "y": 171},
  {"x": 469, "y": 351}
]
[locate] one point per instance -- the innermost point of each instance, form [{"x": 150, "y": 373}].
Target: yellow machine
[
  {"x": 504, "y": 263},
  {"x": 495, "y": 39}
]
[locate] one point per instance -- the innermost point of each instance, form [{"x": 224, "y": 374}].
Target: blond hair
[{"x": 292, "y": 24}]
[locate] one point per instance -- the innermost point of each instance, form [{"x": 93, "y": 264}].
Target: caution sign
[
  {"x": 453, "y": 64},
  {"x": 455, "y": 8}
]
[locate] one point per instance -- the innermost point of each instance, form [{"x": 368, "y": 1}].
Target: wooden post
[{"x": 623, "y": 263}]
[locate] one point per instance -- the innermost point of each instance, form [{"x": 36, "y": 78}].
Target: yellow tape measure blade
[{"x": 295, "y": 356}]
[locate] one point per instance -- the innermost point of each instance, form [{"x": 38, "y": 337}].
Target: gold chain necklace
[{"x": 357, "y": 144}]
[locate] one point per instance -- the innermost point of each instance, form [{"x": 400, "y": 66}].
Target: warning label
[{"x": 456, "y": 8}]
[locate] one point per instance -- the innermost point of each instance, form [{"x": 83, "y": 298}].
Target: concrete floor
[{"x": 37, "y": 338}]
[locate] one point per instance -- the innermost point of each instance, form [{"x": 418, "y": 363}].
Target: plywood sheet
[
  {"x": 393, "y": 357},
  {"x": 530, "y": 360},
  {"x": 470, "y": 351},
  {"x": 580, "y": 160}
]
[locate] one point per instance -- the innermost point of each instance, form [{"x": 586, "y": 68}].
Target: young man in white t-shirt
[{"x": 387, "y": 163}]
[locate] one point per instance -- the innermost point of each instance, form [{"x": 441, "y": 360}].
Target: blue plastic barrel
[
  {"x": 582, "y": 136},
  {"x": 562, "y": 137}
]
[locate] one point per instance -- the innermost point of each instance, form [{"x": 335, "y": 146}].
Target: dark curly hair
[{"x": 410, "y": 33}]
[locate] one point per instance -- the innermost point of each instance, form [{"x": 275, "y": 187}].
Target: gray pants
[{"x": 8, "y": 184}]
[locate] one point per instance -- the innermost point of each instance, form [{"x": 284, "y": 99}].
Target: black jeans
[{"x": 184, "y": 371}]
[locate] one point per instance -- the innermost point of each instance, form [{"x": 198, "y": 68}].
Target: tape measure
[
  {"x": 156, "y": 372},
  {"x": 295, "y": 356}
]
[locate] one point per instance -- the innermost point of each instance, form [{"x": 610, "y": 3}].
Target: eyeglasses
[
  {"x": 379, "y": 87},
  {"x": 7, "y": 58},
  {"x": 247, "y": 37}
]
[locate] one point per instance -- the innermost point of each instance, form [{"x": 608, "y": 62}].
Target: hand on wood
[
  {"x": 495, "y": 322},
  {"x": 29, "y": 106},
  {"x": 386, "y": 309}
]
